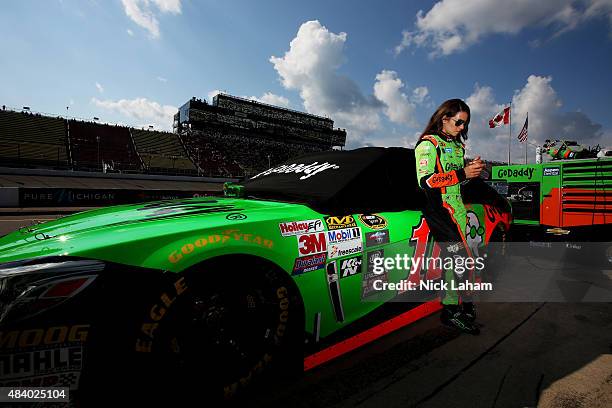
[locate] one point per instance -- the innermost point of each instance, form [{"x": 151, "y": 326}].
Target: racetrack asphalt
[{"x": 528, "y": 355}]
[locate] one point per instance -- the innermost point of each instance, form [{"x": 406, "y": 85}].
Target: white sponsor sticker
[
  {"x": 288, "y": 229},
  {"x": 344, "y": 248},
  {"x": 345, "y": 234}
]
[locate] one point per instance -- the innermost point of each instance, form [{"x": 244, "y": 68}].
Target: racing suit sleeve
[{"x": 427, "y": 161}]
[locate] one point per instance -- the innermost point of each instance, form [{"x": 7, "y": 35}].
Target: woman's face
[{"x": 453, "y": 126}]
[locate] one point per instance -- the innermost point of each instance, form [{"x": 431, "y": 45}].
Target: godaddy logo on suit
[{"x": 336, "y": 222}]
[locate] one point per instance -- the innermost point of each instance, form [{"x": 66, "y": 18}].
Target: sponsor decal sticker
[
  {"x": 448, "y": 150},
  {"x": 312, "y": 244},
  {"x": 67, "y": 379},
  {"x": 345, "y": 248},
  {"x": 309, "y": 263},
  {"x": 423, "y": 162},
  {"x": 350, "y": 267},
  {"x": 341, "y": 235},
  {"x": 551, "y": 171},
  {"x": 367, "y": 286},
  {"x": 336, "y": 222},
  {"x": 288, "y": 229},
  {"x": 373, "y": 221},
  {"x": 377, "y": 238},
  {"x": 235, "y": 217}
]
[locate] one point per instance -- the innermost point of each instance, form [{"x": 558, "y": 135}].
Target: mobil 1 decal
[
  {"x": 373, "y": 221},
  {"x": 369, "y": 277},
  {"x": 350, "y": 266},
  {"x": 343, "y": 242},
  {"x": 377, "y": 238}
]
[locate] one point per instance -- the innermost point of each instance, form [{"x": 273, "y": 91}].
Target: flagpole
[
  {"x": 509, "y": 134},
  {"x": 526, "y": 141}
]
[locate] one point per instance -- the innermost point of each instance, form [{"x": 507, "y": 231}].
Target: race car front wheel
[{"x": 233, "y": 323}]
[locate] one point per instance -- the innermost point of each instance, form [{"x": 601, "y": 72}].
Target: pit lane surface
[{"x": 528, "y": 354}]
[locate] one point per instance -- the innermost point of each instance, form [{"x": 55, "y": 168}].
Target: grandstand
[
  {"x": 239, "y": 137},
  {"x": 233, "y": 137},
  {"x": 30, "y": 140}
]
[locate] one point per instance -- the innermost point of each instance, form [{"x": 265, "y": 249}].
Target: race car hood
[{"x": 112, "y": 226}]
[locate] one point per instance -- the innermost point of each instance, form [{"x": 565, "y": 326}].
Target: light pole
[{"x": 269, "y": 166}]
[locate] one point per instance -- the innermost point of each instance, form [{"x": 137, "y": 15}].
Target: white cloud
[
  {"x": 388, "y": 90},
  {"x": 162, "y": 79},
  {"x": 271, "y": 99},
  {"x": 143, "y": 14},
  {"x": 130, "y": 32},
  {"x": 454, "y": 25},
  {"x": 143, "y": 110},
  {"x": 546, "y": 121},
  {"x": 310, "y": 66},
  {"x": 99, "y": 87},
  {"x": 420, "y": 94}
]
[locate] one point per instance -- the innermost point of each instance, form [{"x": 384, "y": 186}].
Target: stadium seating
[
  {"x": 93, "y": 145},
  {"x": 162, "y": 152},
  {"x": 32, "y": 140}
]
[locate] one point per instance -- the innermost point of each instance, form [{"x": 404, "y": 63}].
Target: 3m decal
[
  {"x": 335, "y": 222},
  {"x": 377, "y": 238},
  {"x": 217, "y": 239},
  {"x": 342, "y": 235},
  {"x": 373, "y": 221},
  {"x": 309, "y": 263},
  {"x": 312, "y": 244},
  {"x": 350, "y": 267},
  {"x": 288, "y": 229},
  {"x": 423, "y": 162}
]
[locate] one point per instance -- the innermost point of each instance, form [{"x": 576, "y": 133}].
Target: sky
[{"x": 378, "y": 69}]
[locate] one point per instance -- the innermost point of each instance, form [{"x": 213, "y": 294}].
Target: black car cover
[{"x": 366, "y": 180}]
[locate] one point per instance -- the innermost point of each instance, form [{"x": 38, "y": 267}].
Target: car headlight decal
[{"x": 29, "y": 288}]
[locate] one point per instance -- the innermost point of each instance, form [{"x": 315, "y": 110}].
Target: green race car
[{"x": 159, "y": 293}]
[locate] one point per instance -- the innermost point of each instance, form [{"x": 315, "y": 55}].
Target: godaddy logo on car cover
[{"x": 308, "y": 169}]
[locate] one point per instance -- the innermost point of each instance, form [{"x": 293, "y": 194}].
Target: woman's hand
[{"x": 474, "y": 168}]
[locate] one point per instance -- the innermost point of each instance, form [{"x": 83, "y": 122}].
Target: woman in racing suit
[{"x": 440, "y": 171}]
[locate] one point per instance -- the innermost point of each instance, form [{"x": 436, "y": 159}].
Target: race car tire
[{"x": 237, "y": 321}]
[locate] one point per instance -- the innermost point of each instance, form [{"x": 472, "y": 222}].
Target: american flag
[{"x": 523, "y": 135}]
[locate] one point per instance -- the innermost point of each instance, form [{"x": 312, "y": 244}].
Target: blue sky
[{"x": 378, "y": 69}]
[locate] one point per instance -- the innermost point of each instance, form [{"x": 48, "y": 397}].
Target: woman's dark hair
[{"x": 448, "y": 109}]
